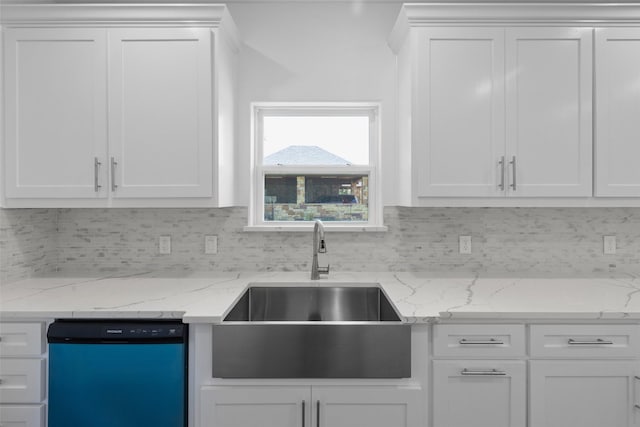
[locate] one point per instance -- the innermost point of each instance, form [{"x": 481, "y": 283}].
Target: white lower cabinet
[
  {"x": 22, "y": 416},
  {"x": 22, "y": 374},
  {"x": 583, "y": 393},
  {"x": 479, "y": 393},
  {"x": 248, "y": 406},
  {"x": 310, "y": 406},
  {"x": 366, "y": 406}
]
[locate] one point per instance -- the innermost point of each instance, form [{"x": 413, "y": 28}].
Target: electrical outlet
[
  {"x": 609, "y": 245},
  {"x": 210, "y": 245},
  {"x": 465, "y": 244},
  {"x": 164, "y": 245}
]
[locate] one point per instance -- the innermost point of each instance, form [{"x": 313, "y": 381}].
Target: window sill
[{"x": 330, "y": 228}]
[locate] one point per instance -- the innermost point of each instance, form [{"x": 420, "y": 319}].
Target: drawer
[
  {"x": 21, "y": 339},
  {"x": 21, "y": 380},
  {"x": 478, "y": 340},
  {"x": 22, "y": 416},
  {"x": 573, "y": 341}
]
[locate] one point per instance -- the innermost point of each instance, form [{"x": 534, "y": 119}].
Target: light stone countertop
[{"x": 419, "y": 297}]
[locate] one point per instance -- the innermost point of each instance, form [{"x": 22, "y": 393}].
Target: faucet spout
[{"x": 319, "y": 246}]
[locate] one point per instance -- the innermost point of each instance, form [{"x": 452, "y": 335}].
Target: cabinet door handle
[
  {"x": 494, "y": 341},
  {"x": 490, "y": 372},
  {"x": 113, "y": 174},
  {"x": 513, "y": 178},
  {"x": 318, "y": 413},
  {"x": 502, "y": 170},
  {"x": 96, "y": 174},
  {"x": 303, "y": 413},
  {"x": 598, "y": 341}
]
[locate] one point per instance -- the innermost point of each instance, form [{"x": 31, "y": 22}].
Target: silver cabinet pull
[
  {"x": 494, "y": 341},
  {"x": 318, "y": 413},
  {"x": 513, "y": 178},
  {"x": 96, "y": 174},
  {"x": 113, "y": 174},
  {"x": 303, "y": 413},
  {"x": 598, "y": 341},
  {"x": 490, "y": 372},
  {"x": 502, "y": 169}
]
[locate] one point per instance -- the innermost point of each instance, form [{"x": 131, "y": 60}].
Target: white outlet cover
[
  {"x": 164, "y": 245},
  {"x": 210, "y": 245},
  {"x": 609, "y": 245},
  {"x": 465, "y": 244}
]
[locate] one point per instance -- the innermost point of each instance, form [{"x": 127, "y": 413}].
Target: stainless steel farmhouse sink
[{"x": 331, "y": 331}]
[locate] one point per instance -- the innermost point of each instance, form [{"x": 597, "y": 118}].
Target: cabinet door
[
  {"x": 160, "y": 105},
  {"x": 22, "y": 415},
  {"x": 56, "y": 113},
  {"x": 375, "y": 406},
  {"x": 458, "y": 117},
  {"x": 549, "y": 111},
  {"x": 583, "y": 393},
  {"x": 617, "y": 110},
  {"x": 479, "y": 393},
  {"x": 255, "y": 406}
]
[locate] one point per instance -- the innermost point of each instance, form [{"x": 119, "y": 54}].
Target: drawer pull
[
  {"x": 599, "y": 341},
  {"x": 493, "y": 341},
  {"x": 491, "y": 372}
]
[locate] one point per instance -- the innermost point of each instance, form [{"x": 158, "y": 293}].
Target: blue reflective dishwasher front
[{"x": 113, "y": 384}]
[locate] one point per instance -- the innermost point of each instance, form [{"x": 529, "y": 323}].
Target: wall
[
  {"x": 28, "y": 243},
  {"x": 515, "y": 241},
  {"x": 312, "y": 51}
]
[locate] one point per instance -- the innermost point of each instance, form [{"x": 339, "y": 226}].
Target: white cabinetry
[
  {"x": 160, "y": 122},
  {"x": 479, "y": 393},
  {"x": 585, "y": 386},
  {"x": 459, "y": 111},
  {"x": 255, "y": 406},
  {"x": 318, "y": 406},
  {"x": 119, "y": 113},
  {"x": 492, "y": 111},
  {"x": 617, "y": 111},
  {"x": 583, "y": 393},
  {"x": 472, "y": 390},
  {"x": 549, "y": 111},
  {"x": 22, "y": 374},
  {"x": 56, "y": 111}
]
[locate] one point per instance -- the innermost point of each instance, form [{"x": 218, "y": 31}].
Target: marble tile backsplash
[
  {"x": 28, "y": 243},
  {"x": 514, "y": 241}
]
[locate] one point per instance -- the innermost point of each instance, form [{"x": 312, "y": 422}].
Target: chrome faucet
[{"x": 319, "y": 246}]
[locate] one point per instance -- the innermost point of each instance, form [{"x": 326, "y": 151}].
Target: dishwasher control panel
[{"x": 108, "y": 331}]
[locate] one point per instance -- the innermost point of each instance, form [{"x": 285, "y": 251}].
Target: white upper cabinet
[
  {"x": 459, "y": 114},
  {"x": 498, "y": 112},
  {"x": 494, "y": 104},
  {"x": 160, "y": 124},
  {"x": 617, "y": 112},
  {"x": 103, "y": 109},
  {"x": 56, "y": 112},
  {"x": 549, "y": 113}
]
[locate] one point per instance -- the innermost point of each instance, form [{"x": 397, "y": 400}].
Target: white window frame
[{"x": 258, "y": 170}]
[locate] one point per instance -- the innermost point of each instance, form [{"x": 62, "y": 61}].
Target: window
[{"x": 315, "y": 161}]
